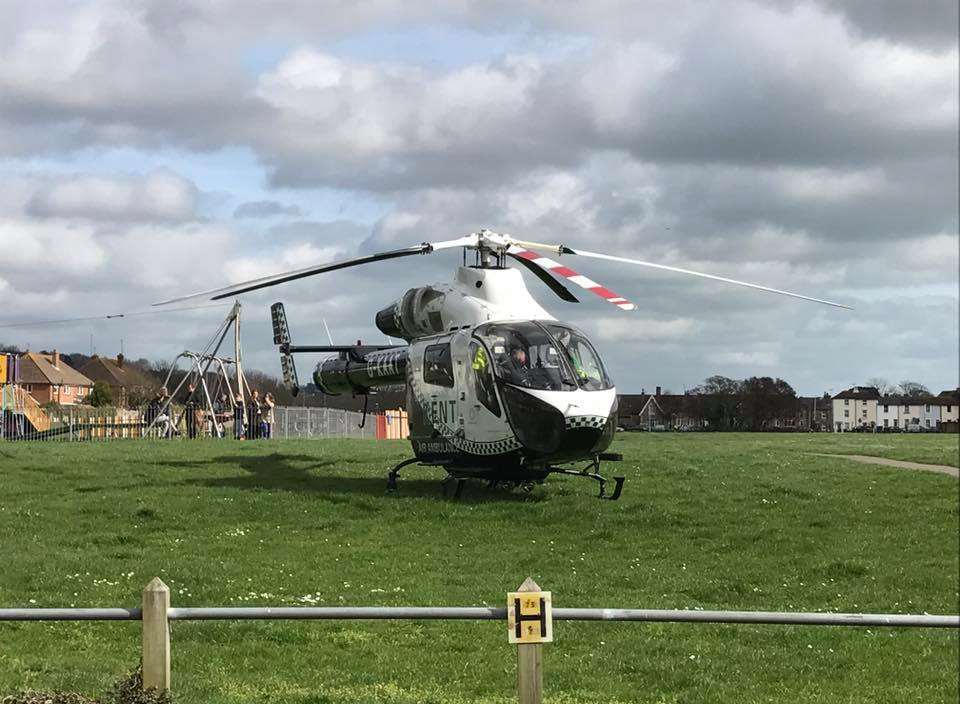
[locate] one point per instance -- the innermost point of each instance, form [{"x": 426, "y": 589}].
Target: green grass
[{"x": 706, "y": 521}]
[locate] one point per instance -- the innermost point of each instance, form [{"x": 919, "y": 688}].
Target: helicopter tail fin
[{"x": 281, "y": 338}]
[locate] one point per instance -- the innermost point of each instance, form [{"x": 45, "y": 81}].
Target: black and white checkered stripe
[
  {"x": 586, "y": 421},
  {"x": 495, "y": 447}
]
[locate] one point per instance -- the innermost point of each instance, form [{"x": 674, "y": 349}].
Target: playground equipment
[{"x": 205, "y": 369}]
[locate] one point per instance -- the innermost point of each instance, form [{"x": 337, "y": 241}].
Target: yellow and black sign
[{"x": 530, "y": 617}]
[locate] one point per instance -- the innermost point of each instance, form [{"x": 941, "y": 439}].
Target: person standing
[
  {"x": 254, "y": 416},
  {"x": 153, "y": 410},
  {"x": 238, "y": 412},
  {"x": 190, "y": 411},
  {"x": 221, "y": 414},
  {"x": 267, "y": 426},
  {"x": 162, "y": 420}
]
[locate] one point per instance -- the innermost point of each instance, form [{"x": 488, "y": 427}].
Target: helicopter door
[
  {"x": 485, "y": 419},
  {"x": 439, "y": 388}
]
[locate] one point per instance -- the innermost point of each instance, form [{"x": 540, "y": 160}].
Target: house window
[
  {"x": 886, "y": 408},
  {"x": 886, "y": 422},
  {"x": 66, "y": 390},
  {"x": 846, "y": 402},
  {"x": 846, "y": 414},
  {"x": 896, "y": 423},
  {"x": 928, "y": 422},
  {"x": 949, "y": 408},
  {"x": 927, "y": 408},
  {"x": 864, "y": 413}
]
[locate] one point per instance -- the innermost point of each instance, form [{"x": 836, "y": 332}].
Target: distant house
[
  {"x": 855, "y": 407},
  {"x": 814, "y": 413},
  {"x": 628, "y": 410},
  {"x": 949, "y": 401},
  {"x": 48, "y": 379},
  {"x": 910, "y": 412},
  {"x": 929, "y": 412},
  {"x": 125, "y": 382},
  {"x": 891, "y": 412},
  {"x": 660, "y": 411},
  {"x": 651, "y": 415}
]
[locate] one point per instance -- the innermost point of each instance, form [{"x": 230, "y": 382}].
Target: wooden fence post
[
  {"x": 156, "y": 636},
  {"x": 529, "y": 662}
]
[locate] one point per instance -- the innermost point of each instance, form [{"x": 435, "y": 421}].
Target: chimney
[
  {"x": 56, "y": 359},
  {"x": 120, "y": 360},
  {"x": 658, "y": 391}
]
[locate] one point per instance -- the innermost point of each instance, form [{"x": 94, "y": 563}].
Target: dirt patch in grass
[{"x": 127, "y": 691}]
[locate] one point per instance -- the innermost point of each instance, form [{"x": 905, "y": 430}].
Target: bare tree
[
  {"x": 914, "y": 389},
  {"x": 883, "y": 386}
]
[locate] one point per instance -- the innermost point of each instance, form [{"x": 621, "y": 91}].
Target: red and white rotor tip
[{"x": 580, "y": 280}]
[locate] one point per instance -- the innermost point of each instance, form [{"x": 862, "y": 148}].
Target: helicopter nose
[
  {"x": 580, "y": 441},
  {"x": 539, "y": 426}
]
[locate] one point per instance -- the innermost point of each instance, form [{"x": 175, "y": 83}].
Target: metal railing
[{"x": 487, "y": 613}]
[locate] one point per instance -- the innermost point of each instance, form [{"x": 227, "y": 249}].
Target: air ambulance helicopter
[{"x": 497, "y": 388}]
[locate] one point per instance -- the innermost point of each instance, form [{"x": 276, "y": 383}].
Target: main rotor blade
[
  {"x": 266, "y": 281},
  {"x": 561, "y": 249},
  {"x": 664, "y": 267},
  {"x": 528, "y": 261},
  {"x": 582, "y": 281}
]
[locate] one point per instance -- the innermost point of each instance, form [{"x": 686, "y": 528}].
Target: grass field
[{"x": 706, "y": 521}]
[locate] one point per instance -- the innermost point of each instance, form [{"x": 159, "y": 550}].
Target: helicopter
[{"x": 497, "y": 388}]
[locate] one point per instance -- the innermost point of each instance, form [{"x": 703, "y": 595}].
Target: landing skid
[
  {"x": 395, "y": 472},
  {"x": 457, "y": 476},
  {"x": 596, "y": 476}
]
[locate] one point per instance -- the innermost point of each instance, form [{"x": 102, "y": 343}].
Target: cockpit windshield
[
  {"x": 545, "y": 356},
  {"x": 524, "y": 354},
  {"x": 583, "y": 358}
]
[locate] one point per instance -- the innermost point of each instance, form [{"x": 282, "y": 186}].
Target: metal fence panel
[
  {"x": 292, "y": 422},
  {"x": 74, "y": 424}
]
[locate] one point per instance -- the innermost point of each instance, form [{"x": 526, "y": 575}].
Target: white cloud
[
  {"x": 746, "y": 359},
  {"x": 48, "y": 249},
  {"x": 296, "y": 257},
  {"x": 159, "y": 195},
  {"x": 630, "y": 329},
  {"x": 829, "y": 185}
]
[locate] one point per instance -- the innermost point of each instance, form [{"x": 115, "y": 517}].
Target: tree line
[{"x": 758, "y": 402}]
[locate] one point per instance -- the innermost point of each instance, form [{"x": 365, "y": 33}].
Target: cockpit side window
[
  {"x": 483, "y": 384},
  {"x": 437, "y": 365}
]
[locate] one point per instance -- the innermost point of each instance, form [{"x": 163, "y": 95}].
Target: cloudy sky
[{"x": 156, "y": 147}]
